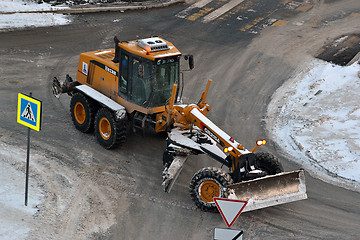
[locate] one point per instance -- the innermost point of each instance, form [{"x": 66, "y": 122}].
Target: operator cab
[{"x": 148, "y": 69}]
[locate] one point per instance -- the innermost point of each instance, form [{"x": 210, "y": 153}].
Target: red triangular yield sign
[{"x": 229, "y": 209}]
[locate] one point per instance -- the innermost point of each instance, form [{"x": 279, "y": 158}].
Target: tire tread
[
  {"x": 119, "y": 130},
  {"x": 268, "y": 162},
  {"x": 89, "y": 106},
  {"x": 208, "y": 172}
]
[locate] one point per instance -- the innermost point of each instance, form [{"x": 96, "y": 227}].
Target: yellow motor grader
[{"x": 138, "y": 85}]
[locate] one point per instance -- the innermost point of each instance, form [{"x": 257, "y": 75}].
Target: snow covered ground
[
  {"x": 16, "y": 219},
  {"x": 12, "y": 19},
  {"x": 315, "y": 117}
]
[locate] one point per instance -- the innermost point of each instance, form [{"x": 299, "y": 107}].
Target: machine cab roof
[{"x": 150, "y": 48}]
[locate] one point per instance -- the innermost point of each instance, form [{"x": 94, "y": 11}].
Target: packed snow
[
  {"x": 315, "y": 117},
  {"x": 11, "y": 18},
  {"x": 16, "y": 219}
]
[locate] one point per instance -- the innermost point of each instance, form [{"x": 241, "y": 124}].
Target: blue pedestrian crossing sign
[{"x": 29, "y": 111}]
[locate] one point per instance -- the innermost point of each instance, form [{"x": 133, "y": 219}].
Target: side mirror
[{"x": 191, "y": 60}]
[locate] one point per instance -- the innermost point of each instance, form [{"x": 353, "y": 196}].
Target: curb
[{"x": 80, "y": 10}]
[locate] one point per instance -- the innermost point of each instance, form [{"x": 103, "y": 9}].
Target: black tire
[
  {"x": 82, "y": 112},
  {"x": 268, "y": 163},
  {"x": 208, "y": 183},
  {"x": 109, "y": 132}
]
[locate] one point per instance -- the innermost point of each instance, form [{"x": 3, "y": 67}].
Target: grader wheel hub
[
  {"x": 79, "y": 112},
  {"x": 208, "y": 190},
  {"x": 105, "y": 128}
]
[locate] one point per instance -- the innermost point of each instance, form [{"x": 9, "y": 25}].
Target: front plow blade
[{"x": 270, "y": 190}]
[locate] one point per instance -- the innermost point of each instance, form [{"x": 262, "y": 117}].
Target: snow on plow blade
[{"x": 270, "y": 190}]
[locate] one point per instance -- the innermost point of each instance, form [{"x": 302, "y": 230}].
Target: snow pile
[
  {"x": 24, "y": 6},
  {"x": 16, "y": 219},
  {"x": 315, "y": 117},
  {"x": 20, "y": 20}
]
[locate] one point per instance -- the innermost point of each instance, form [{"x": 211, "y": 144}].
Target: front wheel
[
  {"x": 206, "y": 184},
  {"x": 109, "y": 132},
  {"x": 268, "y": 163}
]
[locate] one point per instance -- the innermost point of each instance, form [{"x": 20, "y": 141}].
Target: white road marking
[
  {"x": 220, "y": 11},
  {"x": 199, "y": 4}
]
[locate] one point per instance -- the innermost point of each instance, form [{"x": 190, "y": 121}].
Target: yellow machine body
[
  {"x": 137, "y": 84},
  {"x": 98, "y": 70}
]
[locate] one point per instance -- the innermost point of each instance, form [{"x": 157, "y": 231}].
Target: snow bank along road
[
  {"x": 10, "y": 17},
  {"x": 316, "y": 117},
  {"x": 27, "y": 13}
]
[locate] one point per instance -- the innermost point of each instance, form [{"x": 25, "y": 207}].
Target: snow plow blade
[{"x": 270, "y": 190}]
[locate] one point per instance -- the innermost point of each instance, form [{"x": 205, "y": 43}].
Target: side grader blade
[
  {"x": 171, "y": 173},
  {"x": 270, "y": 190}
]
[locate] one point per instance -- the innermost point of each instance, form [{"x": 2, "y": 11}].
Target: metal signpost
[
  {"x": 230, "y": 210},
  {"x": 29, "y": 113}
]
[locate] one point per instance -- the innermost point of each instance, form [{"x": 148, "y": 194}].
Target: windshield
[{"x": 166, "y": 74}]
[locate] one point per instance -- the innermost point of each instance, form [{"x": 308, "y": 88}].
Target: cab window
[
  {"x": 166, "y": 75},
  {"x": 141, "y": 82}
]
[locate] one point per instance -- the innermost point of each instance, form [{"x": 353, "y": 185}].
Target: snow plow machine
[{"x": 138, "y": 85}]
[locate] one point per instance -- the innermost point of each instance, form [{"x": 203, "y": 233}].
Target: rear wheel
[
  {"x": 206, "y": 184},
  {"x": 82, "y": 112},
  {"x": 109, "y": 132},
  {"x": 268, "y": 163}
]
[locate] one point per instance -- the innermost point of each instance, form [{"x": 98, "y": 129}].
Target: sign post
[
  {"x": 29, "y": 114},
  {"x": 27, "y": 168}
]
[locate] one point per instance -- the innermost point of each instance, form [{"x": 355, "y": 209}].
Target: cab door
[
  {"x": 141, "y": 82},
  {"x": 135, "y": 79}
]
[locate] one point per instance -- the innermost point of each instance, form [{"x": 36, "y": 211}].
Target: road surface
[{"x": 249, "y": 48}]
